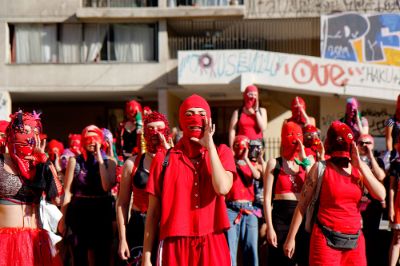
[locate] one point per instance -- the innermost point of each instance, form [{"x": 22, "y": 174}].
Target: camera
[{"x": 255, "y": 149}]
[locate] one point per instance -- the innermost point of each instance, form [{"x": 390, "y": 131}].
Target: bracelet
[{"x": 305, "y": 163}]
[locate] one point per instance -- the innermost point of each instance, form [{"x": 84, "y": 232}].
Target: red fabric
[
  {"x": 189, "y": 204},
  {"x": 338, "y": 140},
  {"x": 131, "y": 109},
  {"x": 55, "y": 147},
  {"x": 240, "y": 144},
  {"x": 297, "y": 115},
  {"x": 21, "y": 140},
  {"x": 140, "y": 199},
  {"x": 26, "y": 247},
  {"x": 248, "y": 126},
  {"x": 323, "y": 255},
  {"x": 151, "y": 135},
  {"x": 290, "y": 134},
  {"x": 211, "y": 249},
  {"x": 3, "y": 125},
  {"x": 239, "y": 190},
  {"x": 3, "y": 128},
  {"x": 339, "y": 200},
  {"x": 249, "y": 101},
  {"x": 74, "y": 142},
  {"x": 85, "y": 139},
  {"x": 285, "y": 185}
]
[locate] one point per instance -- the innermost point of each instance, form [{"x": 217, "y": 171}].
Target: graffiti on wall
[
  {"x": 300, "y": 8},
  {"x": 361, "y": 38}
]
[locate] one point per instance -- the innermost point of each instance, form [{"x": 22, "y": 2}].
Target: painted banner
[
  {"x": 287, "y": 71},
  {"x": 361, "y": 37}
]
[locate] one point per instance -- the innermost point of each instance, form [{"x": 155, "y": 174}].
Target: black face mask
[{"x": 342, "y": 162}]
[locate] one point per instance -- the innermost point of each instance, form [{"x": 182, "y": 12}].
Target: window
[{"x": 82, "y": 43}]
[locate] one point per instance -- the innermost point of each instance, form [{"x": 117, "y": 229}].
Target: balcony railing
[
  {"x": 120, "y": 3},
  {"x": 209, "y": 3}
]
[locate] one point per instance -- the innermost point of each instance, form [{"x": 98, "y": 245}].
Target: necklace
[{"x": 292, "y": 179}]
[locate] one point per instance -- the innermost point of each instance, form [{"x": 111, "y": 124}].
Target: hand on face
[
  {"x": 209, "y": 130},
  {"x": 355, "y": 156}
]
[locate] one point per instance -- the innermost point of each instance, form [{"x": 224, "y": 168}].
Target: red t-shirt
[
  {"x": 339, "y": 200},
  {"x": 248, "y": 126},
  {"x": 290, "y": 183},
  {"x": 189, "y": 204},
  {"x": 240, "y": 190}
]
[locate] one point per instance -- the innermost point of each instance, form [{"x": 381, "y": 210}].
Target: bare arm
[
  {"x": 107, "y": 172},
  {"x": 268, "y": 183},
  {"x": 232, "y": 127},
  {"x": 150, "y": 230},
  {"x": 392, "y": 191},
  {"x": 68, "y": 178},
  {"x": 389, "y": 139},
  {"x": 122, "y": 207},
  {"x": 378, "y": 172}
]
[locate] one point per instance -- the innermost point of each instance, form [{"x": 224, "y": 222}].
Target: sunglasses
[{"x": 364, "y": 142}]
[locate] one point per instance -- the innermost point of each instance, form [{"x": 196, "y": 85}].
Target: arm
[
  {"x": 378, "y": 172},
  {"x": 392, "y": 191},
  {"x": 268, "y": 183},
  {"x": 232, "y": 127},
  {"x": 307, "y": 193},
  {"x": 107, "y": 172},
  {"x": 150, "y": 230},
  {"x": 122, "y": 207},
  {"x": 389, "y": 139},
  {"x": 68, "y": 178},
  {"x": 363, "y": 125}
]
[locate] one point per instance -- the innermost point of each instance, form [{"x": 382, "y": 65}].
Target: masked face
[
  {"x": 75, "y": 143},
  {"x": 240, "y": 144},
  {"x": 297, "y": 106},
  {"x": 250, "y": 96},
  {"x": 193, "y": 123},
  {"x": 291, "y": 134},
  {"x": 131, "y": 109},
  {"x": 152, "y": 133},
  {"x": 53, "y": 153},
  {"x": 339, "y": 139},
  {"x": 90, "y": 140}
]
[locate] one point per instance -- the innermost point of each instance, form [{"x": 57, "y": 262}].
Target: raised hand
[
  {"x": 163, "y": 141},
  {"x": 209, "y": 130}
]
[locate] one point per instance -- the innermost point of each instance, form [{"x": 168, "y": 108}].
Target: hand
[
  {"x": 289, "y": 247},
  {"x": 391, "y": 214},
  {"x": 146, "y": 263},
  {"x": 302, "y": 152},
  {"x": 246, "y": 154},
  {"x": 321, "y": 151},
  {"x": 271, "y": 237},
  {"x": 97, "y": 153},
  {"x": 209, "y": 130},
  {"x": 123, "y": 250},
  {"x": 256, "y": 104},
  {"x": 355, "y": 156},
  {"x": 38, "y": 149},
  {"x": 163, "y": 141}
]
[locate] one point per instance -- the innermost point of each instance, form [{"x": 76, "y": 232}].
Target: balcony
[
  {"x": 119, "y": 3},
  {"x": 154, "y": 3}
]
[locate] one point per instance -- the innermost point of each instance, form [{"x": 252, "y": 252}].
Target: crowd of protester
[{"x": 155, "y": 195}]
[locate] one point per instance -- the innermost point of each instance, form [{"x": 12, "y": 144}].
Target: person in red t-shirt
[
  {"x": 250, "y": 120},
  {"x": 241, "y": 212},
  {"x": 343, "y": 181},
  {"x": 312, "y": 142},
  {"x": 299, "y": 114},
  {"x": 135, "y": 175},
  {"x": 186, "y": 202}
]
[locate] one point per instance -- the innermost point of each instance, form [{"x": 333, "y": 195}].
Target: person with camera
[
  {"x": 353, "y": 118},
  {"x": 283, "y": 181},
  {"x": 239, "y": 201},
  {"x": 87, "y": 208},
  {"x": 336, "y": 235},
  {"x": 250, "y": 120}
]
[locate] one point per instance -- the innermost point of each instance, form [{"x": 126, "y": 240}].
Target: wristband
[{"x": 305, "y": 163}]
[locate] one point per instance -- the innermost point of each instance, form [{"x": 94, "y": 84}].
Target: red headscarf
[
  {"x": 295, "y": 106},
  {"x": 240, "y": 143},
  {"x": 54, "y": 148},
  {"x": 3, "y": 127},
  {"x": 195, "y": 101},
  {"x": 290, "y": 135},
  {"x": 311, "y": 138},
  {"x": 99, "y": 138},
  {"x": 131, "y": 109},
  {"x": 338, "y": 140},
  {"x": 153, "y": 142},
  {"x": 249, "y": 101},
  {"x": 22, "y": 133},
  {"x": 74, "y": 142}
]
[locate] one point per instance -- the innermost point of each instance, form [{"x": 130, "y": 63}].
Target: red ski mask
[
  {"x": 192, "y": 125},
  {"x": 88, "y": 139},
  {"x": 351, "y": 111},
  {"x": 240, "y": 144},
  {"x": 54, "y": 148},
  {"x": 22, "y": 133},
  {"x": 338, "y": 140},
  {"x": 131, "y": 109},
  {"x": 74, "y": 142},
  {"x": 311, "y": 137},
  {"x": 250, "y": 96},
  {"x": 151, "y": 133},
  {"x": 296, "y": 106},
  {"x": 3, "y": 127},
  {"x": 291, "y": 134}
]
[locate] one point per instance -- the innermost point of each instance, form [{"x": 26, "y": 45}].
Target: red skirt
[{"x": 26, "y": 247}]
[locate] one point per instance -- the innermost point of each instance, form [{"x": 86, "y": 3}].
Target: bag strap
[
  {"x": 244, "y": 181},
  {"x": 277, "y": 169},
  {"x": 321, "y": 170},
  {"x": 136, "y": 164},
  {"x": 240, "y": 110},
  {"x": 164, "y": 165}
]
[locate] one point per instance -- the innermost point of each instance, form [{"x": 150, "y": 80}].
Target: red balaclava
[
  {"x": 74, "y": 142},
  {"x": 398, "y": 108},
  {"x": 3, "y": 127},
  {"x": 86, "y": 140},
  {"x": 151, "y": 135},
  {"x": 192, "y": 148},
  {"x": 240, "y": 143},
  {"x": 311, "y": 138},
  {"x": 22, "y": 133},
  {"x": 290, "y": 135},
  {"x": 249, "y": 101},
  {"x": 54, "y": 148},
  {"x": 295, "y": 106},
  {"x": 131, "y": 109},
  {"x": 351, "y": 111},
  {"x": 338, "y": 141}
]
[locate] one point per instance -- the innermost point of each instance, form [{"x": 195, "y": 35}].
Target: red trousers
[
  {"x": 211, "y": 249},
  {"x": 323, "y": 255}
]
